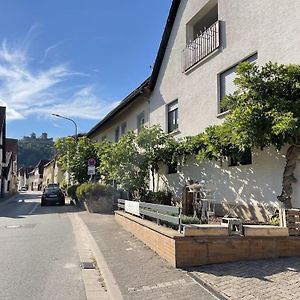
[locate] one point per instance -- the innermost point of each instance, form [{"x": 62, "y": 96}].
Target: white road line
[{"x": 33, "y": 209}]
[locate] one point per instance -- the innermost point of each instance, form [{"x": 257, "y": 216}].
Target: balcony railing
[{"x": 206, "y": 43}]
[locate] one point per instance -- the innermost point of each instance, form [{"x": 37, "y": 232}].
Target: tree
[
  {"x": 73, "y": 156},
  {"x": 125, "y": 164},
  {"x": 264, "y": 111},
  {"x": 156, "y": 146},
  {"x": 134, "y": 157}
]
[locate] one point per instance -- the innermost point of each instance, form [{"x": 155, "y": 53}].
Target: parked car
[
  {"x": 24, "y": 188},
  {"x": 53, "y": 195},
  {"x": 52, "y": 185}
]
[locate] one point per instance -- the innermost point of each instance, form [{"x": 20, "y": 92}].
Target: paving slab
[
  {"x": 262, "y": 279},
  {"x": 138, "y": 271}
]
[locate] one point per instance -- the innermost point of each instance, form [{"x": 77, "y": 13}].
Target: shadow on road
[{"x": 25, "y": 204}]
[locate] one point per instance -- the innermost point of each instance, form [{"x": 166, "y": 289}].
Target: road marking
[{"x": 33, "y": 209}]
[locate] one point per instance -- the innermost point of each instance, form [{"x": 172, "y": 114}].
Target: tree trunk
[
  {"x": 153, "y": 179},
  {"x": 288, "y": 175}
]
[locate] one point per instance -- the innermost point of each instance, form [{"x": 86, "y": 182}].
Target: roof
[
  {"x": 3, "y": 130},
  {"x": 40, "y": 166},
  {"x": 2, "y": 117},
  {"x": 164, "y": 42},
  {"x": 128, "y": 100},
  {"x": 25, "y": 170},
  {"x": 12, "y": 146},
  {"x": 49, "y": 163}
]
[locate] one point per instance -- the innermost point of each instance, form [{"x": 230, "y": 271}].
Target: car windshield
[{"x": 52, "y": 190}]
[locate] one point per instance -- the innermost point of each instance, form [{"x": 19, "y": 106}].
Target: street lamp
[
  {"x": 76, "y": 133},
  {"x": 76, "y": 128}
]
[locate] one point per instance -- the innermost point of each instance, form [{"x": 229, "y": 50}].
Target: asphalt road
[{"x": 38, "y": 254}]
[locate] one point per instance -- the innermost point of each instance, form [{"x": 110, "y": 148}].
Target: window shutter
[{"x": 227, "y": 85}]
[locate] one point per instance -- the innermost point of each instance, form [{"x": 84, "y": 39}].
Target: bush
[
  {"x": 190, "y": 220},
  {"x": 161, "y": 197},
  {"x": 63, "y": 185},
  {"x": 275, "y": 221},
  {"x": 94, "y": 190},
  {"x": 71, "y": 191}
]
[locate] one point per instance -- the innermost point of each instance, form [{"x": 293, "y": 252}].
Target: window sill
[
  {"x": 223, "y": 114},
  {"x": 174, "y": 132}
]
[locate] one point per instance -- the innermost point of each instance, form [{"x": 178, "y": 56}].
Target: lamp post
[
  {"x": 76, "y": 128},
  {"x": 76, "y": 135}
]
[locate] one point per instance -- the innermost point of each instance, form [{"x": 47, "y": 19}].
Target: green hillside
[{"x": 32, "y": 149}]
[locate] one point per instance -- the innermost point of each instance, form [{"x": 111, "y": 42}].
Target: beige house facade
[
  {"x": 52, "y": 173},
  {"x": 206, "y": 41},
  {"x": 48, "y": 174}
]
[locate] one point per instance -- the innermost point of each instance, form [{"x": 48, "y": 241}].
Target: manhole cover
[
  {"x": 13, "y": 226},
  {"x": 87, "y": 265},
  {"x": 19, "y": 226}
]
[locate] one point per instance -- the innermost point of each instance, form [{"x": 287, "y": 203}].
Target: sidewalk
[
  {"x": 274, "y": 279},
  {"x": 138, "y": 271}
]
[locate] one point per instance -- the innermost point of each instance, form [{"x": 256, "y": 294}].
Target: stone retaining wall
[
  {"x": 101, "y": 204},
  {"x": 181, "y": 251}
]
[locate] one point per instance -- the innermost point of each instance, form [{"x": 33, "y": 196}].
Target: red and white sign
[{"x": 91, "y": 162}]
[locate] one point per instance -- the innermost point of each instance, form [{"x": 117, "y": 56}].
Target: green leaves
[
  {"x": 73, "y": 156},
  {"x": 264, "y": 111}
]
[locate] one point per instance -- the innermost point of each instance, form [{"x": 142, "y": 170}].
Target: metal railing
[
  {"x": 165, "y": 213},
  {"x": 205, "y": 43}
]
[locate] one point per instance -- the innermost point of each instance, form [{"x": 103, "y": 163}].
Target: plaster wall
[
  {"x": 270, "y": 28},
  {"x": 48, "y": 174},
  {"x": 128, "y": 115},
  {"x": 58, "y": 175}
]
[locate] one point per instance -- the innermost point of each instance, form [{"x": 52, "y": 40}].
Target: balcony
[{"x": 203, "y": 45}]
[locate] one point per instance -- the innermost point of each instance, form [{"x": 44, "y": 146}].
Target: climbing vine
[{"x": 264, "y": 111}]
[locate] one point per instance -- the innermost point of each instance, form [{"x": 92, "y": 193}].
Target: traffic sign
[
  {"x": 91, "y": 170},
  {"x": 91, "y": 162}
]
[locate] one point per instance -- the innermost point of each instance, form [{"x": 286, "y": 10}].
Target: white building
[{"x": 204, "y": 40}]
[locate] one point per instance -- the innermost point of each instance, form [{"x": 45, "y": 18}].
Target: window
[
  {"x": 227, "y": 78},
  {"x": 140, "y": 121},
  {"x": 117, "y": 134},
  {"x": 173, "y": 116},
  {"x": 123, "y": 128},
  {"x": 242, "y": 158},
  {"x": 201, "y": 22}
]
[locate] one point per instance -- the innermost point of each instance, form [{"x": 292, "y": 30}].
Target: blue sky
[{"x": 74, "y": 58}]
